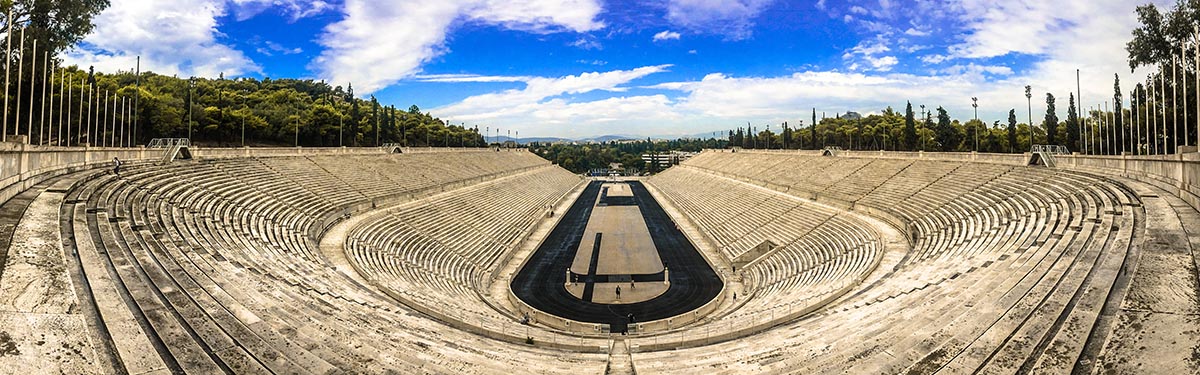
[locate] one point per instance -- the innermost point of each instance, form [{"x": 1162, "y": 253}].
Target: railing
[
  {"x": 169, "y": 142},
  {"x": 1050, "y": 149}
]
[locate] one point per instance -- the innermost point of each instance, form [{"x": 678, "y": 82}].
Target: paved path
[{"x": 42, "y": 328}]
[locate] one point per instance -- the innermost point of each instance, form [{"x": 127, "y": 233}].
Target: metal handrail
[
  {"x": 169, "y": 142},
  {"x": 1050, "y": 149}
]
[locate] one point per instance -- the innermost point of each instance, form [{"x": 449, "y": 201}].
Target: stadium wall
[{"x": 23, "y": 166}]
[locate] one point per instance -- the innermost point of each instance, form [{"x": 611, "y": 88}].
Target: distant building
[{"x": 667, "y": 159}]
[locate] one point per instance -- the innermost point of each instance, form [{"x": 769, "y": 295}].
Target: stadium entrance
[{"x": 614, "y": 236}]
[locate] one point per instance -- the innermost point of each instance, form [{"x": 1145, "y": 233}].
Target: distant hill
[{"x": 603, "y": 138}]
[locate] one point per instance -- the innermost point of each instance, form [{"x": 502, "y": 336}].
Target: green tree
[
  {"x": 1118, "y": 118},
  {"x": 910, "y": 128},
  {"x": 1159, "y": 35},
  {"x": 948, "y": 138},
  {"x": 1072, "y": 124},
  {"x": 1051, "y": 119},
  {"x": 1012, "y": 130}
]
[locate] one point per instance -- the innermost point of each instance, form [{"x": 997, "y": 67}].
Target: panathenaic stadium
[{"x": 485, "y": 261}]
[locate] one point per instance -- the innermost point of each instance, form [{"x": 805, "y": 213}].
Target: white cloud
[
  {"x": 733, "y": 18},
  {"x": 915, "y": 32},
  {"x": 296, "y": 9},
  {"x": 171, "y": 36},
  {"x": 541, "y": 99},
  {"x": 666, "y": 35},
  {"x": 379, "y": 42}
]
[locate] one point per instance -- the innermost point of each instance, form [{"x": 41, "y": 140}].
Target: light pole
[
  {"x": 975, "y": 105},
  {"x": 1029, "y": 110},
  {"x": 922, "y": 127}
]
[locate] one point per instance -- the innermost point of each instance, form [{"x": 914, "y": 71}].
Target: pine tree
[
  {"x": 948, "y": 137},
  {"x": 1072, "y": 123},
  {"x": 1118, "y": 113},
  {"x": 1051, "y": 119},
  {"x": 1012, "y": 130},
  {"x": 813, "y": 129},
  {"x": 910, "y": 128}
]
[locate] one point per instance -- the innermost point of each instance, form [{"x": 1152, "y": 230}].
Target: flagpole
[
  {"x": 20, "y": 68},
  {"x": 1183, "y": 60},
  {"x": 1079, "y": 99},
  {"x": 116, "y": 98},
  {"x": 45, "y": 82},
  {"x": 32, "y": 90},
  {"x": 124, "y": 122},
  {"x": 62, "y": 106},
  {"x": 50, "y": 113},
  {"x": 137, "y": 96},
  {"x": 1175, "y": 105},
  {"x": 1112, "y": 130},
  {"x": 79, "y": 131},
  {"x": 7, "y": 72},
  {"x": 67, "y": 108},
  {"x": 1133, "y": 116},
  {"x": 1162, "y": 82}
]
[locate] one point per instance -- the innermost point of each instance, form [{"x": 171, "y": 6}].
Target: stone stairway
[{"x": 619, "y": 361}]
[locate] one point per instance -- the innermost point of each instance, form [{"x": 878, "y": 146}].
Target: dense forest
[
  {"x": 580, "y": 158},
  {"x": 215, "y": 112}
]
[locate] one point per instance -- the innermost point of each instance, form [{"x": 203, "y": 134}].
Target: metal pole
[
  {"x": 102, "y": 115},
  {"x": 20, "y": 68},
  {"x": 1092, "y": 133},
  {"x": 32, "y": 90},
  {"x": 1112, "y": 128},
  {"x": 1105, "y": 149},
  {"x": 87, "y": 121},
  {"x": 1175, "y": 105},
  {"x": 137, "y": 96},
  {"x": 7, "y": 72},
  {"x": 245, "y": 93},
  {"x": 1183, "y": 60},
  {"x": 1135, "y": 138},
  {"x": 1163, "y": 91},
  {"x": 62, "y": 107},
  {"x": 67, "y": 109},
  {"x": 1196, "y": 31},
  {"x": 114, "y": 111},
  {"x": 975, "y": 105},
  {"x": 1029, "y": 110},
  {"x": 45, "y": 82},
  {"x": 79, "y": 137},
  {"x": 191, "y": 98},
  {"x": 1079, "y": 103},
  {"x": 123, "y": 127}
]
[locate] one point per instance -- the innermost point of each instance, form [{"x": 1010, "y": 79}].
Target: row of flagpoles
[
  {"x": 1148, "y": 133},
  {"x": 108, "y": 119}
]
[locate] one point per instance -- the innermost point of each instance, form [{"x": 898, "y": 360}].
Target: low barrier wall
[{"x": 23, "y": 166}]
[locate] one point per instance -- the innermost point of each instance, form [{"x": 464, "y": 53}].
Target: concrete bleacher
[
  {"x": 221, "y": 275},
  {"x": 218, "y": 265},
  {"x": 438, "y": 250},
  {"x": 1010, "y": 269}
]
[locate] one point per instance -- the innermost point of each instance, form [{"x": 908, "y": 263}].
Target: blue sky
[{"x": 578, "y": 68}]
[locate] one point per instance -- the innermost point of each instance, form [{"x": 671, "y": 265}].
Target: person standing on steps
[
  {"x": 618, "y": 292},
  {"x": 116, "y": 166}
]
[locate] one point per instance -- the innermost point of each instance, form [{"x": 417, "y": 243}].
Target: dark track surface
[{"x": 540, "y": 282}]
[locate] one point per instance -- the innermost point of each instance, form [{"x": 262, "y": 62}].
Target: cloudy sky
[{"x": 577, "y": 68}]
